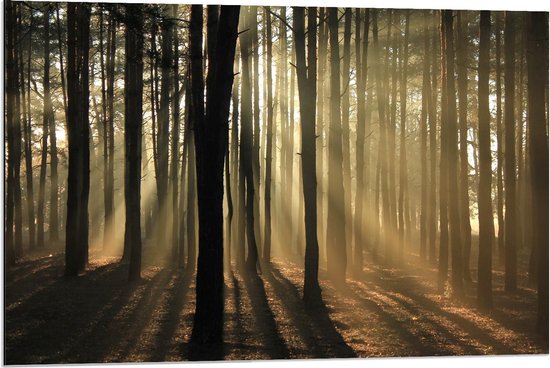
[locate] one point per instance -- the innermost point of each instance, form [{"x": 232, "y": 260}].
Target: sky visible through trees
[{"x": 275, "y": 170}]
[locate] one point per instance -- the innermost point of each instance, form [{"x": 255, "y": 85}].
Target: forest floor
[{"x": 388, "y": 312}]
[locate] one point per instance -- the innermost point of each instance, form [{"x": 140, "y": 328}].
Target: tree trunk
[
  {"x": 54, "y": 216},
  {"x": 426, "y": 96},
  {"x": 133, "y": 102},
  {"x": 404, "y": 223},
  {"x": 346, "y": 143},
  {"x": 336, "y": 221},
  {"x": 462, "y": 71},
  {"x": 537, "y": 65},
  {"x": 78, "y": 27},
  {"x": 269, "y": 138},
  {"x": 246, "y": 143},
  {"x": 443, "y": 169},
  {"x": 510, "y": 259},
  {"x": 484, "y": 289},
  {"x": 27, "y": 136},
  {"x": 500, "y": 140},
  {"x": 452, "y": 144},
  {"x": 175, "y": 138},
  {"x": 361, "y": 78},
  {"x": 210, "y": 148},
  {"x": 307, "y": 80},
  {"x": 432, "y": 122}
]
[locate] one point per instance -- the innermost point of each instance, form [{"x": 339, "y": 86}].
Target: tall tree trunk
[
  {"x": 454, "y": 209},
  {"x": 346, "y": 143},
  {"x": 11, "y": 91},
  {"x": 133, "y": 102},
  {"x": 27, "y": 137},
  {"x": 256, "y": 115},
  {"x": 76, "y": 247},
  {"x": 53, "y": 228},
  {"x": 432, "y": 122},
  {"x": 109, "y": 134},
  {"x": 382, "y": 149},
  {"x": 537, "y": 65},
  {"x": 510, "y": 260},
  {"x": 210, "y": 136},
  {"x": 361, "y": 78},
  {"x": 443, "y": 168},
  {"x": 500, "y": 139},
  {"x": 246, "y": 142},
  {"x": 336, "y": 221},
  {"x": 403, "y": 216},
  {"x": 175, "y": 138},
  {"x": 166, "y": 61},
  {"x": 307, "y": 80},
  {"x": 269, "y": 138},
  {"x": 426, "y": 96},
  {"x": 322, "y": 60},
  {"x": 462, "y": 71},
  {"x": 484, "y": 289}
]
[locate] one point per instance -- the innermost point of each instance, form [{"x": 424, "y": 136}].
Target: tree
[
  {"x": 403, "y": 179},
  {"x": 426, "y": 96},
  {"x": 133, "y": 111},
  {"x": 210, "y": 132},
  {"x": 269, "y": 139},
  {"x": 54, "y": 217},
  {"x": 443, "y": 168},
  {"x": 306, "y": 76},
  {"x": 537, "y": 65},
  {"x": 336, "y": 221},
  {"x": 452, "y": 146},
  {"x": 11, "y": 91},
  {"x": 76, "y": 239},
  {"x": 510, "y": 261},
  {"x": 361, "y": 67},
  {"x": 462, "y": 84},
  {"x": 484, "y": 290},
  {"x": 246, "y": 142}
]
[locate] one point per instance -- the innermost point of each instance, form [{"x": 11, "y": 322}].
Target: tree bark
[
  {"x": 307, "y": 80},
  {"x": 133, "y": 121},
  {"x": 537, "y": 65},
  {"x": 210, "y": 136},
  {"x": 510, "y": 259},
  {"x": 76, "y": 246},
  {"x": 484, "y": 290},
  {"x": 336, "y": 221}
]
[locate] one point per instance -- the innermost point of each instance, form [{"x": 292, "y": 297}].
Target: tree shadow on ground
[
  {"x": 96, "y": 317},
  {"x": 315, "y": 327},
  {"x": 264, "y": 318},
  {"x": 423, "y": 306}
]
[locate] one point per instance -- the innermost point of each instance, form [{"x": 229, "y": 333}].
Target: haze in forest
[{"x": 325, "y": 145}]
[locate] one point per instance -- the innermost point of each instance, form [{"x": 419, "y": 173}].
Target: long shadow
[
  {"x": 468, "y": 326},
  {"x": 46, "y": 324},
  {"x": 315, "y": 327},
  {"x": 414, "y": 342},
  {"x": 170, "y": 323},
  {"x": 274, "y": 344}
]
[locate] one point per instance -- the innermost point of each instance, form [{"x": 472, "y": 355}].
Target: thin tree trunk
[
  {"x": 336, "y": 236},
  {"x": 307, "y": 79},
  {"x": 269, "y": 138},
  {"x": 404, "y": 223},
  {"x": 484, "y": 290},
  {"x": 537, "y": 65},
  {"x": 510, "y": 259},
  {"x": 133, "y": 102},
  {"x": 361, "y": 67},
  {"x": 462, "y": 71}
]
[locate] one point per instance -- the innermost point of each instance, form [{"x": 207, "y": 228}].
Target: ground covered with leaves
[{"x": 387, "y": 312}]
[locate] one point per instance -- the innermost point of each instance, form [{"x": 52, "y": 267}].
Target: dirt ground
[{"x": 100, "y": 317}]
